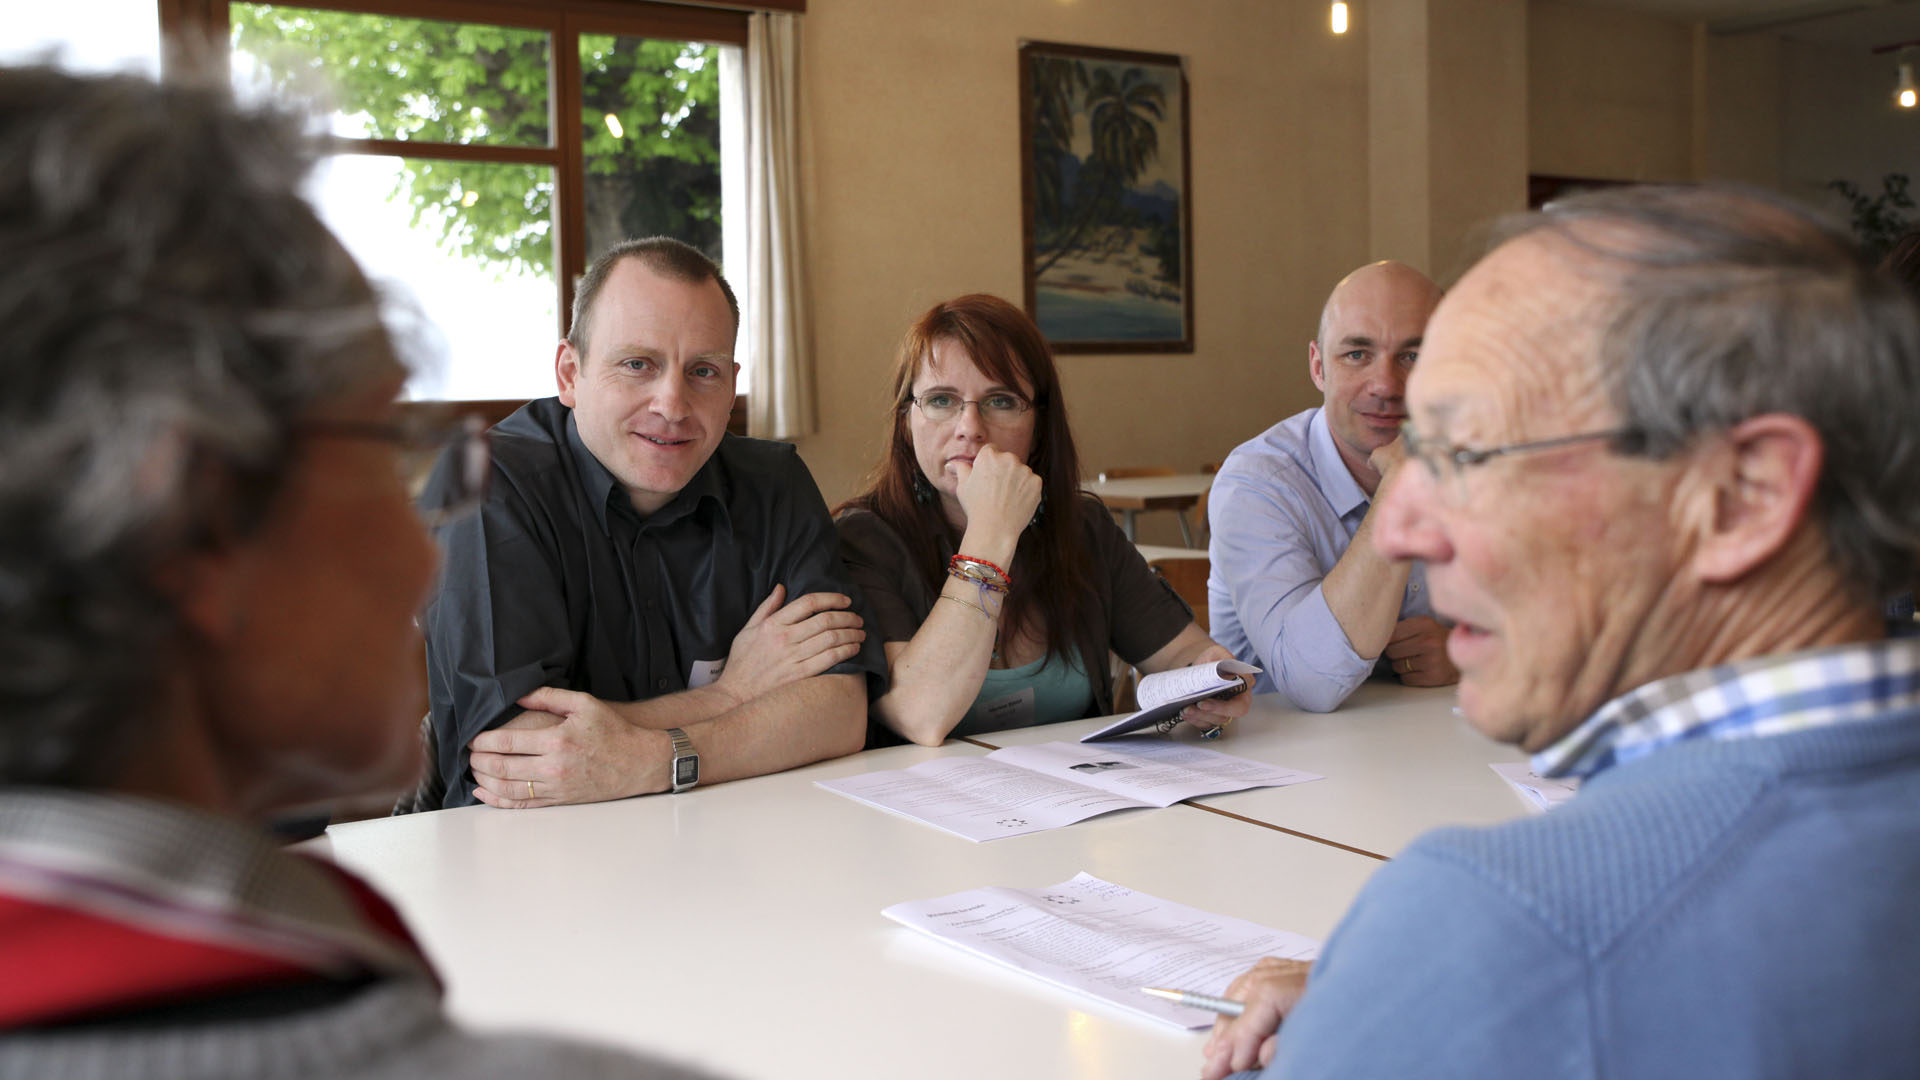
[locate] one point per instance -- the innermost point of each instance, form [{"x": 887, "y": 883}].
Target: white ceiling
[{"x": 1852, "y": 24}]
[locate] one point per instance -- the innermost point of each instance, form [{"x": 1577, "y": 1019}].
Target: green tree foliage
[{"x": 424, "y": 80}]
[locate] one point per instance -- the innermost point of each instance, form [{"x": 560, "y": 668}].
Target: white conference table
[
  {"x": 1133, "y": 494},
  {"x": 1397, "y": 761},
  {"x": 738, "y": 927}
]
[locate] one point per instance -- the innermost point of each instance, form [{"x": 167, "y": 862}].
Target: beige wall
[
  {"x": 914, "y": 197},
  {"x": 1841, "y": 123},
  {"x": 1610, "y": 94},
  {"x": 1478, "y": 111},
  {"x": 1447, "y": 126}
]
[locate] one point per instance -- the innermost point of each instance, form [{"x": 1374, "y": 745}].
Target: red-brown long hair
[{"x": 1049, "y": 565}]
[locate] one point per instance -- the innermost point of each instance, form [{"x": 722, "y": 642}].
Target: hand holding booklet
[
  {"x": 1094, "y": 937},
  {"x": 1023, "y": 789},
  {"x": 1163, "y": 694}
]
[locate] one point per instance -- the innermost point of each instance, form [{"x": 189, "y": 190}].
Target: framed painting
[{"x": 1107, "y": 215}]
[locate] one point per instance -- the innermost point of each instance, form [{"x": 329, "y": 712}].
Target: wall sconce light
[
  {"x": 1905, "y": 94},
  {"x": 1339, "y": 17}
]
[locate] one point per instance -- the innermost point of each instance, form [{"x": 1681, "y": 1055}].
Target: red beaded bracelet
[{"x": 980, "y": 572}]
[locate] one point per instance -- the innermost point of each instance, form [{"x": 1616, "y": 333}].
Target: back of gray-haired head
[
  {"x": 169, "y": 309},
  {"x": 1728, "y": 304}
]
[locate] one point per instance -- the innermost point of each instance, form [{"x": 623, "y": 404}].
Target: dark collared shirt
[{"x": 557, "y": 581}]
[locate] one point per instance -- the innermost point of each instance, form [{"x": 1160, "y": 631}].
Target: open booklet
[
  {"x": 1023, "y": 789},
  {"x": 1165, "y": 693},
  {"x": 1095, "y": 937}
]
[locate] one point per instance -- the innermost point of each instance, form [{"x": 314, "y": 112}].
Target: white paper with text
[
  {"x": 1094, "y": 937},
  {"x": 1540, "y": 793},
  {"x": 1025, "y": 789}
]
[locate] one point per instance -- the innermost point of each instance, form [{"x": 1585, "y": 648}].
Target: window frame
[{"x": 564, "y": 21}]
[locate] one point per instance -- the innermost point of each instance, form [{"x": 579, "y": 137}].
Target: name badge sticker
[{"x": 705, "y": 672}]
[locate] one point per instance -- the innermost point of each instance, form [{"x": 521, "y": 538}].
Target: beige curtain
[{"x": 780, "y": 404}]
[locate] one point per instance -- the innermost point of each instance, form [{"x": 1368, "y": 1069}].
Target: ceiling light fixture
[
  {"x": 1339, "y": 17},
  {"x": 1905, "y": 93}
]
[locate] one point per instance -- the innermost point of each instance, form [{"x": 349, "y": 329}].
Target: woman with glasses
[{"x": 998, "y": 586}]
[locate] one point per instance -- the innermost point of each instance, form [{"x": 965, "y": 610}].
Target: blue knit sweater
[{"x": 1742, "y": 908}]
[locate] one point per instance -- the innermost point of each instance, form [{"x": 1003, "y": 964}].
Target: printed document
[
  {"x": 1164, "y": 693},
  {"x": 1023, "y": 789},
  {"x": 1540, "y": 793},
  {"x": 1094, "y": 937}
]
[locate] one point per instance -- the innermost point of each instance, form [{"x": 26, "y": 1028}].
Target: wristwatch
[{"x": 686, "y": 764}]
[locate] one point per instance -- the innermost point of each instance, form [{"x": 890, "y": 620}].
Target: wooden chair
[{"x": 1188, "y": 577}]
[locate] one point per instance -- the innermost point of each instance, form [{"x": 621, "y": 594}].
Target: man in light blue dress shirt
[{"x": 1296, "y": 585}]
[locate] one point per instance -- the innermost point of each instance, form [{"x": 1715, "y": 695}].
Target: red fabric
[{"x": 63, "y": 964}]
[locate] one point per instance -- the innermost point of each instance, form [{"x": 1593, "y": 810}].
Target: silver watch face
[{"x": 686, "y": 771}]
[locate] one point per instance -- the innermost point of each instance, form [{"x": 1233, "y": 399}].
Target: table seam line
[{"x": 1240, "y": 817}]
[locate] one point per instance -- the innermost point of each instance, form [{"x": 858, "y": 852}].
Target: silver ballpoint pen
[{"x": 1223, "y": 1006}]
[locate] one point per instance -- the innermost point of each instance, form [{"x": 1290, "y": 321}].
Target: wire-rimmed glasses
[
  {"x": 998, "y": 409},
  {"x": 422, "y": 437}
]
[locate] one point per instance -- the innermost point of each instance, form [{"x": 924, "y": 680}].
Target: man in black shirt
[{"x": 643, "y": 602}]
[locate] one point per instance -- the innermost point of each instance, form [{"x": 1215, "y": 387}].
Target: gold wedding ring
[
  {"x": 1405, "y": 665},
  {"x": 529, "y": 784}
]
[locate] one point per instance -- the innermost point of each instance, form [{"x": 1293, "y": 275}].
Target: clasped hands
[{"x": 572, "y": 747}]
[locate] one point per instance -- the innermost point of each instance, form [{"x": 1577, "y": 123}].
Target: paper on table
[
  {"x": 1541, "y": 793},
  {"x": 1107, "y": 940},
  {"x": 1026, "y": 789},
  {"x": 1165, "y": 693}
]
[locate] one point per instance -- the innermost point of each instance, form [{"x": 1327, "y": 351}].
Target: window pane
[
  {"x": 84, "y": 35},
  {"x": 651, "y": 135},
  {"x": 398, "y": 78},
  {"x": 470, "y": 246}
]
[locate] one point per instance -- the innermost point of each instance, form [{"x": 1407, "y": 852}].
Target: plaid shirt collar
[{"x": 1767, "y": 695}]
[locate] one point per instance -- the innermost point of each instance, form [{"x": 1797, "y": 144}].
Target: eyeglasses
[
  {"x": 997, "y": 409},
  {"x": 1459, "y": 458},
  {"x": 424, "y": 438}
]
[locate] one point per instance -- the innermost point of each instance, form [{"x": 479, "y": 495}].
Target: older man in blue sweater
[{"x": 1661, "y": 467}]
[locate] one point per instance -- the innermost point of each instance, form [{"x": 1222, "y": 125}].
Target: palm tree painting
[{"x": 1104, "y": 158}]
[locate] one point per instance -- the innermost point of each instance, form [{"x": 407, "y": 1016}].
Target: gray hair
[
  {"x": 1729, "y": 304},
  {"x": 675, "y": 260},
  {"x": 170, "y": 309}
]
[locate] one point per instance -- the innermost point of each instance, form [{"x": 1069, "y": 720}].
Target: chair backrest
[
  {"x": 1129, "y": 472},
  {"x": 1188, "y": 576}
]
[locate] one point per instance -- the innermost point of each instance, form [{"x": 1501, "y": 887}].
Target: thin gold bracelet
[{"x": 971, "y": 604}]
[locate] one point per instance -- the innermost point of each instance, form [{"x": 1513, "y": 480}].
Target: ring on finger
[{"x": 529, "y": 784}]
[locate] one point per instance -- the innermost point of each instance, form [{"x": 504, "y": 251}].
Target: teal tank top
[{"x": 1043, "y": 692}]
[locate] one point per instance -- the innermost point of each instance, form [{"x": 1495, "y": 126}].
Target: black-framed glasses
[
  {"x": 1459, "y": 459},
  {"x": 423, "y": 438},
  {"x": 1002, "y": 407}
]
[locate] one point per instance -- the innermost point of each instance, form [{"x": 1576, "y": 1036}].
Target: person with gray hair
[
  {"x": 1666, "y": 464},
  {"x": 209, "y": 571}
]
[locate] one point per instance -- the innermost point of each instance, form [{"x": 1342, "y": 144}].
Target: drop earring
[{"x": 922, "y": 490}]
